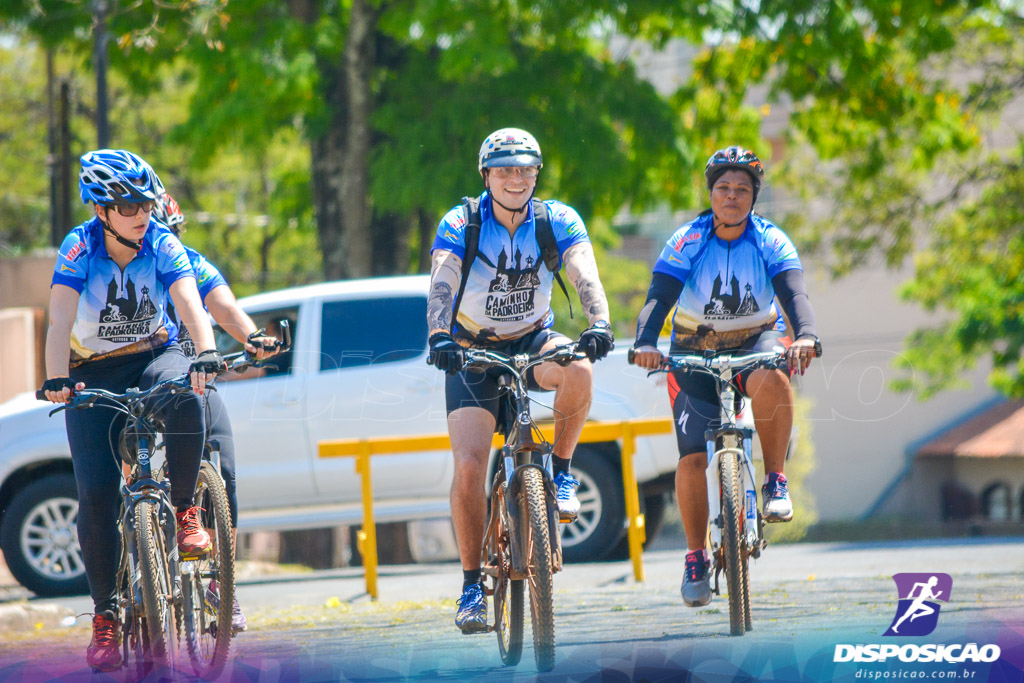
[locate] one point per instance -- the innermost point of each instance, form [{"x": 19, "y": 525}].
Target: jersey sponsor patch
[
  {"x": 75, "y": 252},
  {"x": 65, "y": 268}
]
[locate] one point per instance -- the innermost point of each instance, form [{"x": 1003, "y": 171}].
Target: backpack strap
[
  {"x": 548, "y": 246},
  {"x": 471, "y": 212}
]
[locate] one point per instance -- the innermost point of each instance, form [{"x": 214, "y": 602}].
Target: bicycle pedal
[{"x": 566, "y": 519}]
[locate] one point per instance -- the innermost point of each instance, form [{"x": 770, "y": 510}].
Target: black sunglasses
[{"x": 129, "y": 210}]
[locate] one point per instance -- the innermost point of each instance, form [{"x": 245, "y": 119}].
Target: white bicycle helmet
[
  {"x": 510, "y": 147},
  {"x": 169, "y": 213}
]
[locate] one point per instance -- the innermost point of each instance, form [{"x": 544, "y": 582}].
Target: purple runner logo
[{"x": 917, "y": 614}]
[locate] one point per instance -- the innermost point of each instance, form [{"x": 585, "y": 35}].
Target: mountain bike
[
  {"x": 735, "y": 524},
  {"x": 208, "y": 582},
  {"x": 523, "y": 540},
  {"x": 148, "y": 579}
]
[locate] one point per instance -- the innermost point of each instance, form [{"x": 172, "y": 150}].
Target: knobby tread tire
[
  {"x": 732, "y": 543},
  {"x": 208, "y": 643},
  {"x": 534, "y": 514},
  {"x": 155, "y": 582},
  {"x": 508, "y": 594}
]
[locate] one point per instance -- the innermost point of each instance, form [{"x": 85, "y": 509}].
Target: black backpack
[{"x": 545, "y": 239}]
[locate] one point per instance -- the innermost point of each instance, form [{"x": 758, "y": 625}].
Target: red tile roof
[{"x": 996, "y": 433}]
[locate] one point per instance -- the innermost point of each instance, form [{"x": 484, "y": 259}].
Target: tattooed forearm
[
  {"x": 581, "y": 267},
  {"x": 445, "y": 275}
]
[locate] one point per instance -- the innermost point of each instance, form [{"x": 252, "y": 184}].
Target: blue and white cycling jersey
[
  {"x": 208, "y": 278},
  {"x": 120, "y": 311},
  {"x": 508, "y": 293},
  {"x": 727, "y": 286}
]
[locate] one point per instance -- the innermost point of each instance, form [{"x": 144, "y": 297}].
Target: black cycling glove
[
  {"x": 209, "y": 362},
  {"x": 445, "y": 354},
  {"x": 56, "y": 384},
  {"x": 597, "y": 341},
  {"x": 262, "y": 346}
]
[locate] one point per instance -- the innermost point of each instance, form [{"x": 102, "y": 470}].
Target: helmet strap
[
  {"x": 730, "y": 225},
  {"x": 137, "y": 246}
]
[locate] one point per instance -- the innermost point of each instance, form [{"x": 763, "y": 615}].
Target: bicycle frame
[
  {"x": 517, "y": 453},
  {"x": 729, "y": 439}
]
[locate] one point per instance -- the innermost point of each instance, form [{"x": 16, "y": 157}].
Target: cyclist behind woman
[
  {"x": 109, "y": 329},
  {"x": 723, "y": 271},
  {"x": 219, "y": 300},
  {"x": 506, "y": 308}
]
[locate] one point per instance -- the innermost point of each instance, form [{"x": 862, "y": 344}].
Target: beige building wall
[
  {"x": 24, "y": 297},
  {"x": 865, "y": 435}
]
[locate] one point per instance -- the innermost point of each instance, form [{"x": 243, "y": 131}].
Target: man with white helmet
[{"x": 505, "y": 306}]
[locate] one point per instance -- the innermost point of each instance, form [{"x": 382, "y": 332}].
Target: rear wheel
[
  {"x": 534, "y": 525},
  {"x": 732, "y": 533},
  {"x": 156, "y": 581},
  {"x": 207, "y": 622},
  {"x": 508, "y": 594}
]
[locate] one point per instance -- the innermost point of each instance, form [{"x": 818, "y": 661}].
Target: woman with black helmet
[{"x": 723, "y": 272}]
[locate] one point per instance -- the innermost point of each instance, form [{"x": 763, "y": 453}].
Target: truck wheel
[
  {"x": 39, "y": 537},
  {"x": 602, "y": 516}
]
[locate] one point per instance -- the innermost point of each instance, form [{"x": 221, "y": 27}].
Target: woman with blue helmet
[
  {"x": 109, "y": 329},
  {"x": 220, "y": 301}
]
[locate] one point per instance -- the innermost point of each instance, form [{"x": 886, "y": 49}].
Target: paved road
[{"x": 807, "y": 598}]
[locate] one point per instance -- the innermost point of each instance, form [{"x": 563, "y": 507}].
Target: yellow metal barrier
[{"x": 362, "y": 449}]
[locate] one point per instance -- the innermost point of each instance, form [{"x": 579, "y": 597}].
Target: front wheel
[
  {"x": 157, "y": 583},
  {"x": 209, "y": 587},
  {"x": 732, "y": 544},
  {"x": 533, "y": 512},
  {"x": 508, "y": 594}
]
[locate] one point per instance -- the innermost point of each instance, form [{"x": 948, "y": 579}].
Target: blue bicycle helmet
[{"x": 116, "y": 175}]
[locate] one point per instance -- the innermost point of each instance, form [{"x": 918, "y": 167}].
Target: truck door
[
  {"x": 372, "y": 380},
  {"x": 273, "y": 459}
]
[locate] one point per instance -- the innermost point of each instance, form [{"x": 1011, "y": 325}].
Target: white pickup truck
[{"x": 357, "y": 369}]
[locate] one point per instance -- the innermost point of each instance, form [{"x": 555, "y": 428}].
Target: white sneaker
[{"x": 568, "y": 503}]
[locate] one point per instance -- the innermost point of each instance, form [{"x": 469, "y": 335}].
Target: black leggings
[
  {"x": 92, "y": 435},
  {"x": 220, "y": 431}
]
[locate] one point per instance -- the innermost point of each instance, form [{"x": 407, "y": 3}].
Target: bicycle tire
[
  {"x": 534, "y": 514},
  {"x": 134, "y": 645},
  {"x": 508, "y": 594},
  {"x": 732, "y": 514},
  {"x": 208, "y": 631},
  {"x": 748, "y": 622},
  {"x": 157, "y": 584}
]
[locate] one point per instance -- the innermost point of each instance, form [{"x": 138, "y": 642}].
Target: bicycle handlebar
[
  {"x": 713, "y": 361},
  {"x": 235, "y": 362},
  {"x": 563, "y": 354}
]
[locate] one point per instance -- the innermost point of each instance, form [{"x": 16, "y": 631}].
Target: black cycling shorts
[
  {"x": 694, "y": 395},
  {"x": 476, "y": 389}
]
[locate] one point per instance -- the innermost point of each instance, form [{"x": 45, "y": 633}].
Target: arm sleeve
[
  {"x": 72, "y": 266},
  {"x": 451, "y": 233},
  {"x": 567, "y": 226},
  {"x": 792, "y": 293},
  {"x": 661, "y": 296},
  {"x": 172, "y": 262},
  {"x": 208, "y": 277}
]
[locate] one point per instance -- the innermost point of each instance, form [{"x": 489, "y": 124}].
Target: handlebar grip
[
  {"x": 630, "y": 356},
  {"x": 286, "y": 334},
  {"x": 41, "y": 395}
]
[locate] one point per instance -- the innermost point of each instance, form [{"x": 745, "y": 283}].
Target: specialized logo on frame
[{"x": 917, "y": 613}]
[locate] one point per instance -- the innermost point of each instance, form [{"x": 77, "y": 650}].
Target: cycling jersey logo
[
  {"x": 512, "y": 290},
  {"x": 725, "y": 306},
  {"x": 126, "y": 319},
  {"x": 917, "y": 614}
]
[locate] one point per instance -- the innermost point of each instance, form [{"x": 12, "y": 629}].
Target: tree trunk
[
  {"x": 340, "y": 154},
  {"x": 391, "y": 244}
]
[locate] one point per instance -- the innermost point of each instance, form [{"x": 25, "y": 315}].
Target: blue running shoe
[
  {"x": 777, "y": 505},
  {"x": 696, "y": 588},
  {"x": 568, "y": 503},
  {"x": 472, "y": 614}
]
